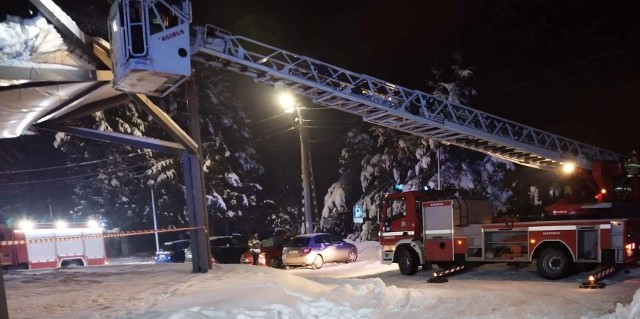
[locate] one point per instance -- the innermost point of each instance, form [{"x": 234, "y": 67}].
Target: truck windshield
[{"x": 396, "y": 208}]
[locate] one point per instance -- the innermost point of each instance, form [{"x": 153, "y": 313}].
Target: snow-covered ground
[{"x": 138, "y": 288}]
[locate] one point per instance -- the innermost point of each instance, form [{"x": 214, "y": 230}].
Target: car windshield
[
  {"x": 175, "y": 245},
  {"x": 269, "y": 242},
  {"x": 298, "y": 242},
  {"x": 238, "y": 242},
  {"x": 222, "y": 242}
]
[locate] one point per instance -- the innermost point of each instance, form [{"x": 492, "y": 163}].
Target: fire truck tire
[
  {"x": 318, "y": 262},
  {"x": 553, "y": 263},
  {"x": 407, "y": 263}
]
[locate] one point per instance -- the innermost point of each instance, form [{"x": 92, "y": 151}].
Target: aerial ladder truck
[{"x": 416, "y": 228}]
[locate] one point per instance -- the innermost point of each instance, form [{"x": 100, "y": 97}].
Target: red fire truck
[
  {"x": 40, "y": 246},
  {"x": 431, "y": 228}
]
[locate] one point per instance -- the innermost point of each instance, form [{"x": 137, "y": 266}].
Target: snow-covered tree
[
  {"x": 111, "y": 184},
  {"x": 390, "y": 159},
  {"x": 120, "y": 189}
]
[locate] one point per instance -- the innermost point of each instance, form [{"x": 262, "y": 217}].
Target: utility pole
[
  {"x": 289, "y": 104},
  {"x": 151, "y": 183},
  {"x": 306, "y": 179}
]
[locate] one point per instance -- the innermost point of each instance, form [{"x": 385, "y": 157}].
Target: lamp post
[
  {"x": 287, "y": 101},
  {"x": 151, "y": 183}
]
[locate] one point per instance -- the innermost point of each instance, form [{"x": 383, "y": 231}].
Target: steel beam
[
  {"x": 166, "y": 122},
  {"x": 195, "y": 193},
  {"x": 4, "y": 311},
  {"x": 91, "y": 108},
  {"x": 52, "y": 72},
  {"x": 120, "y": 138}
]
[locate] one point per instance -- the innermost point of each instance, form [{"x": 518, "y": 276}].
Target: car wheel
[
  {"x": 352, "y": 257},
  {"x": 318, "y": 262},
  {"x": 274, "y": 262}
]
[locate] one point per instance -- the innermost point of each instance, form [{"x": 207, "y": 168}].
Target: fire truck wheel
[
  {"x": 553, "y": 263},
  {"x": 407, "y": 263},
  {"x": 318, "y": 262}
]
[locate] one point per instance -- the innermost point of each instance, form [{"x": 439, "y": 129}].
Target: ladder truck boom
[
  {"x": 390, "y": 105},
  {"x": 151, "y": 49}
]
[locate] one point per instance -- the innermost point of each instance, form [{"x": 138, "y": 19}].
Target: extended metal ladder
[{"x": 389, "y": 105}]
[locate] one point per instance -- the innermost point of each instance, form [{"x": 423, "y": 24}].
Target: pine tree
[
  {"x": 120, "y": 189},
  {"x": 397, "y": 160}
]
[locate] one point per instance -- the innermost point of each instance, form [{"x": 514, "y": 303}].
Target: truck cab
[
  {"x": 12, "y": 255},
  {"x": 401, "y": 221}
]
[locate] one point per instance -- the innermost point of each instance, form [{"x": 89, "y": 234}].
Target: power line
[
  {"x": 326, "y": 138},
  {"x": 70, "y": 177},
  {"x": 61, "y": 166},
  {"x": 267, "y": 119},
  {"x": 263, "y": 138}
]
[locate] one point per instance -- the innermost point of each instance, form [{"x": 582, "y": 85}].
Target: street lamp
[
  {"x": 288, "y": 103},
  {"x": 151, "y": 183}
]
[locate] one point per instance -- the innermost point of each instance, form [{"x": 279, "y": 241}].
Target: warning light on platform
[{"x": 568, "y": 168}]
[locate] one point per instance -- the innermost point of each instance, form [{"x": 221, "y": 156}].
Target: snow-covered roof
[{"x": 42, "y": 77}]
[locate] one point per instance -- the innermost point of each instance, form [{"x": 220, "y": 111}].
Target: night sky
[{"x": 568, "y": 67}]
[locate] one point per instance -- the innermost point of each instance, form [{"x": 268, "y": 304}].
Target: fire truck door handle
[{"x": 405, "y": 233}]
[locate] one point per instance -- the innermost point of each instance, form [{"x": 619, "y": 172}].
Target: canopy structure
[{"x": 51, "y": 72}]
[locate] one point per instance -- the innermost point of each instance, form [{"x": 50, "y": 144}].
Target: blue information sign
[{"x": 357, "y": 214}]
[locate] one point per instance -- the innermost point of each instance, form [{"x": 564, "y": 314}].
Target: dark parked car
[
  {"x": 270, "y": 252},
  {"x": 224, "y": 249},
  {"x": 228, "y": 249},
  {"x": 316, "y": 249},
  {"x": 173, "y": 251}
]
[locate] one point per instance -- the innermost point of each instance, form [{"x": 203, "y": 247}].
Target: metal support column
[
  {"x": 306, "y": 180},
  {"x": 4, "y": 310},
  {"x": 202, "y": 251}
]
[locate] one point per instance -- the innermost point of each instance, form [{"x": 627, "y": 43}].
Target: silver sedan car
[{"x": 316, "y": 249}]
